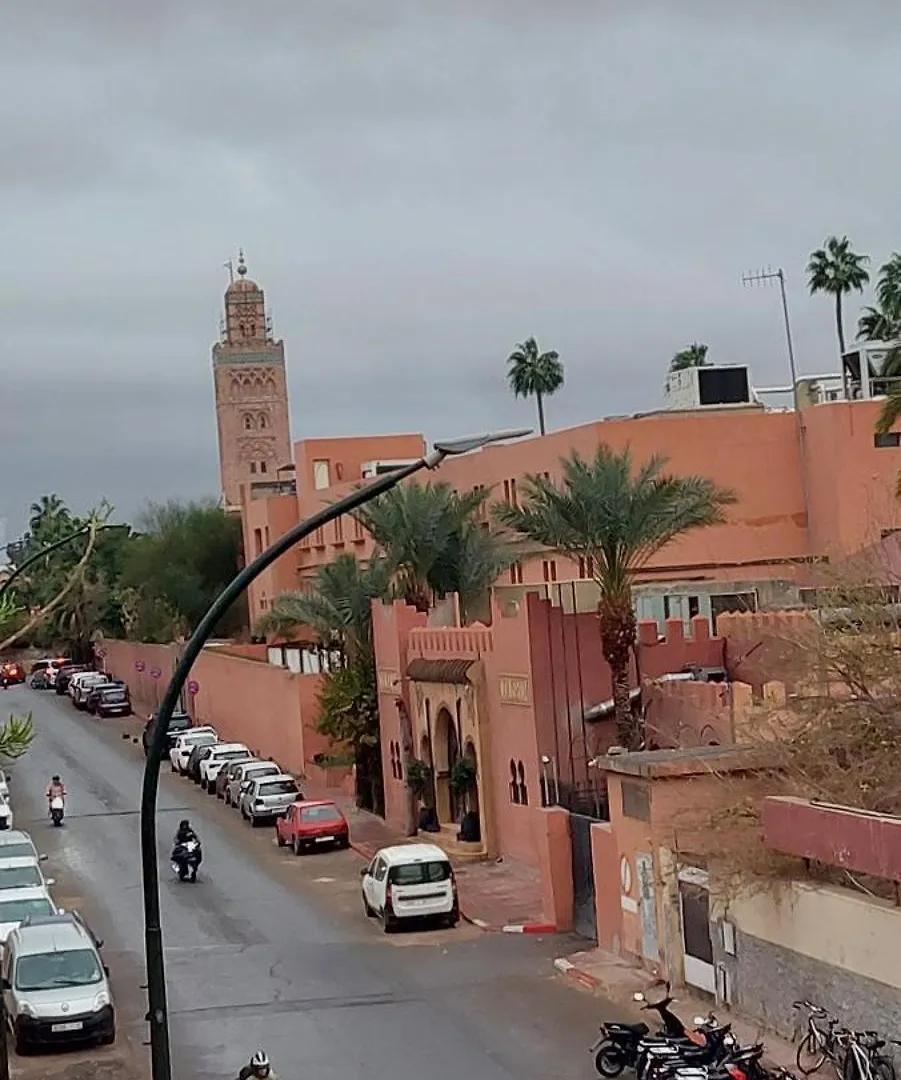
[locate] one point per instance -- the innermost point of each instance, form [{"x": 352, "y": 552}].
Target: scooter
[
  {"x": 57, "y": 810},
  {"x": 618, "y": 1047},
  {"x": 186, "y": 860}
]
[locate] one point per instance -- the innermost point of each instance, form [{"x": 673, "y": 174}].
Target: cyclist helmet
[{"x": 260, "y": 1063}]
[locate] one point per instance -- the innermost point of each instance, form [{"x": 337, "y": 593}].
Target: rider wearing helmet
[
  {"x": 57, "y": 789},
  {"x": 185, "y": 832},
  {"x": 258, "y": 1068}
]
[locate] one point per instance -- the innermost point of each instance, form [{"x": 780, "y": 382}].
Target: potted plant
[
  {"x": 419, "y": 781},
  {"x": 463, "y": 780}
]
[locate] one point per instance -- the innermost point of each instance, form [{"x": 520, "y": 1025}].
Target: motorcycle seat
[{"x": 632, "y": 1029}]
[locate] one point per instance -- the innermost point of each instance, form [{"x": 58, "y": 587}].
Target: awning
[{"x": 439, "y": 671}]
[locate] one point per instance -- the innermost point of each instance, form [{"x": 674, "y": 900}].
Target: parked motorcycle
[
  {"x": 618, "y": 1047},
  {"x": 57, "y": 809},
  {"x": 186, "y": 860}
]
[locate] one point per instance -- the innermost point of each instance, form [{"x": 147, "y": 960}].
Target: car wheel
[
  {"x": 389, "y": 923},
  {"x": 298, "y": 846},
  {"x": 109, "y": 1038},
  {"x": 279, "y": 839},
  {"x": 254, "y": 822},
  {"x": 22, "y": 1046},
  {"x": 344, "y": 842},
  {"x": 366, "y": 908}
]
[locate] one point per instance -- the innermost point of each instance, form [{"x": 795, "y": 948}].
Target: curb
[
  {"x": 569, "y": 969},
  {"x": 512, "y": 928}
]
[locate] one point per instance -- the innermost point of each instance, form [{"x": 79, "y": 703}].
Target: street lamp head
[{"x": 455, "y": 447}]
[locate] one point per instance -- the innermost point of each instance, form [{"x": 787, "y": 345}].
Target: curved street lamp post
[{"x": 157, "y": 1015}]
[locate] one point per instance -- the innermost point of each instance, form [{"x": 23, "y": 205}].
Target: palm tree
[
  {"x": 694, "y": 355},
  {"x": 48, "y": 516},
  {"x": 531, "y": 372},
  {"x": 338, "y": 607},
  {"x": 618, "y": 515},
  {"x": 435, "y": 543},
  {"x": 836, "y": 269}
]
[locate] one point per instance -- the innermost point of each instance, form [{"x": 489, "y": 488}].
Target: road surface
[{"x": 272, "y": 951}]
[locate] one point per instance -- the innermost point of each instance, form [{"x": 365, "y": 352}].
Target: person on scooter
[
  {"x": 258, "y": 1068},
  {"x": 185, "y": 833},
  {"x": 56, "y": 789}
]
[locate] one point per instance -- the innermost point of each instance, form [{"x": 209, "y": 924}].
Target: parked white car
[
  {"x": 219, "y": 757},
  {"x": 410, "y": 881},
  {"x": 6, "y": 813},
  {"x": 4, "y": 784},
  {"x": 16, "y": 905},
  {"x": 23, "y": 871},
  {"x": 250, "y": 770},
  {"x": 86, "y": 681},
  {"x": 268, "y": 797},
  {"x": 17, "y": 843},
  {"x": 184, "y": 744}
]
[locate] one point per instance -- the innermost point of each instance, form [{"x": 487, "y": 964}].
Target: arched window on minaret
[{"x": 248, "y": 422}]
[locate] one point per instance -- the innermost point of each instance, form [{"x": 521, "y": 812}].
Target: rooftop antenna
[
  {"x": 230, "y": 267},
  {"x": 764, "y": 277}
]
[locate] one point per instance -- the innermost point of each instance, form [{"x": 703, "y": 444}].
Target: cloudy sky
[{"x": 417, "y": 186}]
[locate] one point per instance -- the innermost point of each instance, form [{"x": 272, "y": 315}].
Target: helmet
[
  {"x": 260, "y": 1060},
  {"x": 182, "y": 826},
  {"x": 55, "y": 779}
]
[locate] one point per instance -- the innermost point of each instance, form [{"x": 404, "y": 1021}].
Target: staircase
[{"x": 446, "y": 839}]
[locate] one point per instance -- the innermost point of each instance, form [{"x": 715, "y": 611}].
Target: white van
[
  {"x": 55, "y": 985},
  {"x": 410, "y": 881}
]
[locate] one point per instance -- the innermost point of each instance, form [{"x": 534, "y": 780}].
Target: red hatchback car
[{"x": 311, "y": 824}]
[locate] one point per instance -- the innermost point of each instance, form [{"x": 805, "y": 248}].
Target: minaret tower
[{"x": 251, "y": 393}]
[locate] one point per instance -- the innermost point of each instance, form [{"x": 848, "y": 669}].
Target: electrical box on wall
[{"x": 728, "y": 931}]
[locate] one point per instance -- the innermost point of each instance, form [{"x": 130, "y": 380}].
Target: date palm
[
  {"x": 837, "y": 270},
  {"x": 619, "y": 515},
  {"x": 338, "y": 606},
  {"x": 434, "y": 542},
  {"x": 694, "y": 355},
  {"x": 532, "y": 373}
]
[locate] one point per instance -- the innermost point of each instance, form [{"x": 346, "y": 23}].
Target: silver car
[
  {"x": 268, "y": 797},
  {"x": 247, "y": 770},
  {"x": 21, "y": 872},
  {"x": 15, "y": 843},
  {"x": 55, "y": 985}
]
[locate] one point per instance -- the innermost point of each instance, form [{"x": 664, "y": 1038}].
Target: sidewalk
[
  {"x": 494, "y": 894},
  {"x": 612, "y": 977}
]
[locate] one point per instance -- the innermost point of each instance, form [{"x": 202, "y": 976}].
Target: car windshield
[
  {"x": 203, "y": 739},
  {"x": 320, "y": 813},
  {"x": 15, "y": 851},
  {"x": 179, "y": 723},
  {"x": 14, "y": 911},
  {"x": 256, "y": 771},
  {"x": 419, "y": 873},
  {"x": 16, "y": 877},
  {"x": 57, "y": 970},
  {"x": 279, "y": 787},
  {"x": 231, "y": 755}
]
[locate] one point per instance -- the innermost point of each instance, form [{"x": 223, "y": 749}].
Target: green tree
[
  {"x": 50, "y": 519},
  {"x": 532, "y": 373},
  {"x": 882, "y": 321},
  {"x": 619, "y": 515},
  {"x": 338, "y": 609},
  {"x": 183, "y": 557},
  {"x": 837, "y": 270},
  {"x": 435, "y": 543},
  {"x": 694, "y": 355}
]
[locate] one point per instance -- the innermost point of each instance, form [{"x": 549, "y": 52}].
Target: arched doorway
[
  {"x": 470, "y": 817},
  {"x": 446, "y": 754}
]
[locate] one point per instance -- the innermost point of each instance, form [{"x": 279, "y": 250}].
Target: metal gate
[
  {"x": 694, "y": 902},
  {"x": 584, "y": 911}
]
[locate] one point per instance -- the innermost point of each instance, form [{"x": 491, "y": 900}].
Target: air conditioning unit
[
  {"x": 372, "y": 469},
  {"x": 709, "y": 386}
]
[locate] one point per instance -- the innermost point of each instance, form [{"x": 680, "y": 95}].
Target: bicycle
[
  {"x": 820, "y": 1043},
  {"x": 862, "y": 1059}
]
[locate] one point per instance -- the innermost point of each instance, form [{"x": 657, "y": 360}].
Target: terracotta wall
[
  {"x": 270, "y": 709},
  {"x": 764, "y": 645},
  {"x": 695, "y": 713}
]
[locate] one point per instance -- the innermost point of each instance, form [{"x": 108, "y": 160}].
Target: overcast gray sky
[{"x": 417, "y": 185}]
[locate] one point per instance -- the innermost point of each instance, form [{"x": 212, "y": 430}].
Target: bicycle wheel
[
  {"x": 811, "y": 1053},
  {"x": 882, "y": 1067}
]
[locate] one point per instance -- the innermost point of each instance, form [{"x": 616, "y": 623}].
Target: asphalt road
[{"x": 272, "y": 951}]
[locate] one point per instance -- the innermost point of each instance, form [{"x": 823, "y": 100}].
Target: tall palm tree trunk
[
  {"x": 617, "y": 641},
  {"x": 840, "y": 323},
  {"x": 540, "y": 399}
]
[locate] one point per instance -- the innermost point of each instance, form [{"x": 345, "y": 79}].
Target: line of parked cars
[
  {"x": 54, "y": 982},
  {"x": 90, "y": 691},
  {"x": 401, "y": 882}
]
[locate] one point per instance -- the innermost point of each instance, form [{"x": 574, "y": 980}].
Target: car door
[{"x": 379, "y": 872}]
